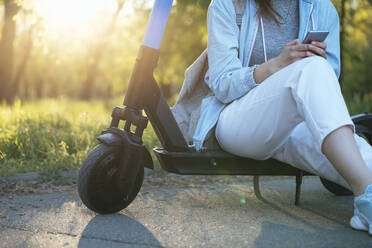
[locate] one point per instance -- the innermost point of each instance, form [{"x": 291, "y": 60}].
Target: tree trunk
[
  {"x": 342, "y": 39},
  {"x": 97, "y": 54},
  {"x": 6, "y": 49},
  {"x": 39, "y": 88},
  {"x": 23, "y": 65}
]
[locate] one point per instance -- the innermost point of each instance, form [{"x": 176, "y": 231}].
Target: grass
[
  {"x": 49, "y": 136},
  {"x": 52, "y": 135},
  {"x": 357, "y": 105}
]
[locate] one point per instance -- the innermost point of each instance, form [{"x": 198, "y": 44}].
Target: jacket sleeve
[
  {"x": 333, "y": 39},
  {"x": 227, "y": 78}
]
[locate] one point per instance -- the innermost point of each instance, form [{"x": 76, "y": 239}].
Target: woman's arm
[
  {"x": 293, "y": 51},
  {"x": 227, "y": 78}
]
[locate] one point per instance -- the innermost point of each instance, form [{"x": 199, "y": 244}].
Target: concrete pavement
[{"x": 215, "y": 215}]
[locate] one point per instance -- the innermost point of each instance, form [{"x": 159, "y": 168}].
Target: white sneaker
[{"x": 362, "y": 219}]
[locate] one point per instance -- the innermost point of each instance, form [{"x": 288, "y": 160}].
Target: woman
[{"x": 275, "y": 97}]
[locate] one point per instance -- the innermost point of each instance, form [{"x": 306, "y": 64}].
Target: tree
[
  {"x": 356, "y": 46},
  {"x": 7, "y": 50},
  {"x": 342, "y": 37},
  {"x": 27, "y": 44},
  {"x": 184, "y": 39},
  {"x": 96, "y": 55}
]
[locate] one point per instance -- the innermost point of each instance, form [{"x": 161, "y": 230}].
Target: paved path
[{"x": 212, "y": 216}]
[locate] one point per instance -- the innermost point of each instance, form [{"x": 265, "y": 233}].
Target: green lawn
[{"x": 54, "y": 135}]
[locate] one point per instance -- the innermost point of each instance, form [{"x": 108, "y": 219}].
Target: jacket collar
[
  {"x": 250, "y": 25},
  {"x": 306, "y": 9}
]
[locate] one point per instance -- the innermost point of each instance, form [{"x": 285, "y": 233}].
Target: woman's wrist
[
  {"x": 274, "y": 65},
  {"x": 265, "y": 70}
]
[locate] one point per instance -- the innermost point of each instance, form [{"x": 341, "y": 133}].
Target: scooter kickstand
[
  {"x": 298, "y": 187},
  {"x": 256, "y": 187}
]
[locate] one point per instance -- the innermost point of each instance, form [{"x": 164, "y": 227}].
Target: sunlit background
[
  {"x": 65, "y": 63},
  {"x": 71, "y": 16},
  {"x": 85, "y": 49}
]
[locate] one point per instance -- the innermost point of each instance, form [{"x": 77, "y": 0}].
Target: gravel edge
[{"x": 32, "y": 176}]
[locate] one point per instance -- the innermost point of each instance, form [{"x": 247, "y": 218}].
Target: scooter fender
[
  {"x": 363, "y": 123},
  {"x": 111, "y": 139}
]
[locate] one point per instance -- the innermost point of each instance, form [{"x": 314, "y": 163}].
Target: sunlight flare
[{"x": 80, "y": 16}]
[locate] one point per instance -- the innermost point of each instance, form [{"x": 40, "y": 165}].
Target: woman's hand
[
  {"x": 292, "y": 52},
  {"x": 319, "y": 48}
]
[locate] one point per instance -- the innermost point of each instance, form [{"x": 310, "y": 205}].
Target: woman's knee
[
  {"x": 316, "y": 61},
  {"x": 317, "y": 65},
  {"x": 316, "y": 74}
]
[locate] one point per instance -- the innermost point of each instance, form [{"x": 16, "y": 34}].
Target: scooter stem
[
  {"x": 142, "y": 78},
  {"x": 158, "y": 21},
  {"x": 143, "y": 91}
]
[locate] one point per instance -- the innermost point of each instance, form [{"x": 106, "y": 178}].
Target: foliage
[
  {"x": 52, "y": 135},
  {"x": 358, "y": 49},
  {"x": 60, "y": 58},
  {"x": 356, "y": 104},
  {"x": 180, "y": 48}
]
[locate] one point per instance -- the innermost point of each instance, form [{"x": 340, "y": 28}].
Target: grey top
[{"x": 276, "y": 37}]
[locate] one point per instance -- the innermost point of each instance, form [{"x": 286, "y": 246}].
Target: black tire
[
  {"x": 366, "y": 136},
  {"x": 96, "y": 186},
  {"x": 335, "y": 188}
]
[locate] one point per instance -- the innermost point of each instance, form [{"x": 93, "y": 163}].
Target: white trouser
[{"x": 288, "y": 116}]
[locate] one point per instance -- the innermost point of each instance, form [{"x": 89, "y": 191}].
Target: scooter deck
[{"x": 221, "y": 163}]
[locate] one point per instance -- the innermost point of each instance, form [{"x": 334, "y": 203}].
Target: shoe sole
[{"x": 359, "y": 222}]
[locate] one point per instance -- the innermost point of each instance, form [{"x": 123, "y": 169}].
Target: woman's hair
[{"x": 265, "y": 8}]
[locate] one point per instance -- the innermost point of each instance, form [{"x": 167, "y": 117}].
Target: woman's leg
[
  {"x": 341, "y": 149},
  {"x": 301, "y": 151},
  {"x": 257, "y": 124}
]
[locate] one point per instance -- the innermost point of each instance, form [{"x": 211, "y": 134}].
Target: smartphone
[{"x": 315, "y": 36}]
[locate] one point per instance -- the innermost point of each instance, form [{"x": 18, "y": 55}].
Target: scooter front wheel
[{"x": 97, "y": 185}]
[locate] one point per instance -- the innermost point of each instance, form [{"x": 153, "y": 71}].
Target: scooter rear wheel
[
  {"x": 96, "y": 184},
  {"x": 335, "y": 188}
]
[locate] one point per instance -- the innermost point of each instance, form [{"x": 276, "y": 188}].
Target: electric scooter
[{"x": 112, "y": 173}]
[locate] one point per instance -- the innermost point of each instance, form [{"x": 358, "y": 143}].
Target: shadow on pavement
[
  {"x": 118, "y": 229},
  {"x": 311, "y": 235}
]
